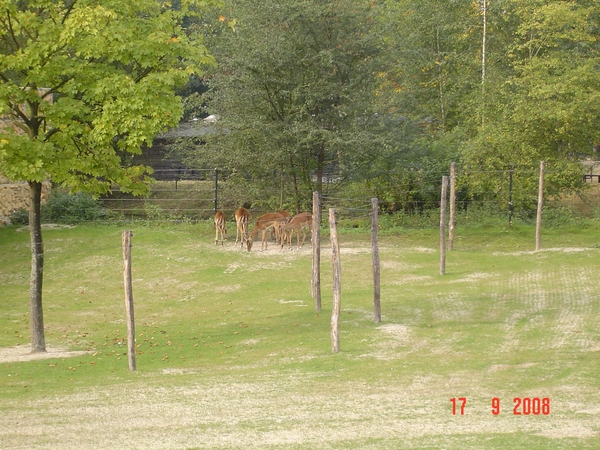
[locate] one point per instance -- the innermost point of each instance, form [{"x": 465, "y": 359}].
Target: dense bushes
[
  {"x": 63, "y": 207},
  {"x": 353, "y": 211}
]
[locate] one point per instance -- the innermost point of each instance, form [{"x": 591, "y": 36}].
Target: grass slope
[{"x": 231, "y": 353}]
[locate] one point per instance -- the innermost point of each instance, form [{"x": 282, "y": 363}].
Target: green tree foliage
[
  {"x": 425, "y": 98},
  {"x": 111, "y": 68},
  {"x": 83, "y": 83},
  {"x": 537, "y": 101},
  {"x": 547, "y": 106},
  {"x": 294, "y": 93},
  {"x": 436, "y": 50}
]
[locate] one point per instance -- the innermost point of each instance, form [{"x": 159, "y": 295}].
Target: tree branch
[
  {"x": 16, "y": 111},
  {"x": 144, "y": 74},
  {"x": 12, "y": 31},
  {"x": 68, "y": 12},
  {"x": 25, "y": 30},
  {"x": 272, "y": 103},
  {"x": 51, "y": 133},
  {"x": 54, "y": 89}
]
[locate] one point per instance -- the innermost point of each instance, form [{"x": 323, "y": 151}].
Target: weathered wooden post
[
  {"x": 337, "y": 287},
  {"x": 452, "y": 206},
  {"x": 538, "y": 222},
  {"x": 375, "y": 246},
  {"x": 316, "y": 251},
  {"x": 126, "y": 241},
  {"x": 443, "y": 225}
]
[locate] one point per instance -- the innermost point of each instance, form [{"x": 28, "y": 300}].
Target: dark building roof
[{"x": 187, "y": 129}]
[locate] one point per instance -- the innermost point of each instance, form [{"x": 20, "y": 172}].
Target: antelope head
[{"x": 249, "y": 242}]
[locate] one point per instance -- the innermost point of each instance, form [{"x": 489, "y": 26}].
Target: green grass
[{"x": 231, "y": 353}]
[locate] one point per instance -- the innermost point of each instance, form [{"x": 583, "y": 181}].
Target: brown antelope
[
  {"x": 220, "y": 227},
  {"x": 276, "y": 229},
  {"x": 242, "y": 216},
  {"x": 300, "y": 222},
  {"x": 264, "y": 223}
]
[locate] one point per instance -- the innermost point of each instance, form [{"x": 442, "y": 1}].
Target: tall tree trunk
[
  {"x": 320, "y": 168},
  {"x": 484, "y": 10},
  {"x": 294, "y": 182},
  {"x": 38, "y": 342},
  {"x": 440, "y": 62},
  {"x": 296, "y": 192}
]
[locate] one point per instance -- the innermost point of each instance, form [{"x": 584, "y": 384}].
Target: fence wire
[{"x": 193, "y": 195}]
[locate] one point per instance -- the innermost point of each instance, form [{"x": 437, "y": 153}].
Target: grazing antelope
[
  {"x": 300, "y": 222},
  {"x": 276, "y": 229},
  {"x": 264, "y": 223},
  {"x": 242, "y": 216},
  {"x": 220, "y": 227}
]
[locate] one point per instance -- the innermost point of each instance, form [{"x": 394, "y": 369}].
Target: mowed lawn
[{"x": 232, "y": 354}]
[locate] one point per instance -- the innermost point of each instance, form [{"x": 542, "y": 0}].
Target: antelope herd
[{"x": 280, "y": 225}]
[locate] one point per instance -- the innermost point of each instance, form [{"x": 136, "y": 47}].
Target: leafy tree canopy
[
  {"x": 83, "y": 82},
  {"x": 294, "y": 89},
  {"x": 382, "y": 92}
]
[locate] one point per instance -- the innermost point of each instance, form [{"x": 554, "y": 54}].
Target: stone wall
[{"x": 15, "y": 196}]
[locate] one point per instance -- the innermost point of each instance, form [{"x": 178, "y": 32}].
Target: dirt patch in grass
[
  {"x": 48, "y": 226},
  {"x": 22, "y": 353},
  {"x": 544, "y": 250}
]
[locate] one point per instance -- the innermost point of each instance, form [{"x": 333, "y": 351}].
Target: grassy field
[{"x": 231, "y": 353}]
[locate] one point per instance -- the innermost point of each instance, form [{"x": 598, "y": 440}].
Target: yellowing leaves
[{"x": 114, "y": 66}]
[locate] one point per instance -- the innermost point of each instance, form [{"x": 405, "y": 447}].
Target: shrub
[
  {"x": 401, "y": 219},
  {"x": 63, "y": 207},
  {"x": 154, "y": 213},
  {"x": 19, "y": 217},
  {"x": 559, "y": 216}
]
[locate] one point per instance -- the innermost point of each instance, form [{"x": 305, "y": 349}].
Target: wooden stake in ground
[
  {"x": 538, "y": 222},
  {"x": 452, "y": 206},
  {"x": 375, "y": 246},
  {"x": 443, "y": 225},
  {"x": 316, "y": 251},
  {"x": 337, "y": 286},
  {"x": 126, "y": 241}
]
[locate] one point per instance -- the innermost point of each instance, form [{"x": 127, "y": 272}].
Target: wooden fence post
[
  {"x": 443, "y": 225},
  {"x": 337, "y": 287},
  {"x": 126, "y": 242},
  {"x": 452, "y": 206},
  {"x": 316, "y": 251},
  {"x": 538, "y": 222},
  {"x": 375, "y": 247}
]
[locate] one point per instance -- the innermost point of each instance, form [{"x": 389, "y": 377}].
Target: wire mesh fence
[{"x": 410, "y": 199}]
